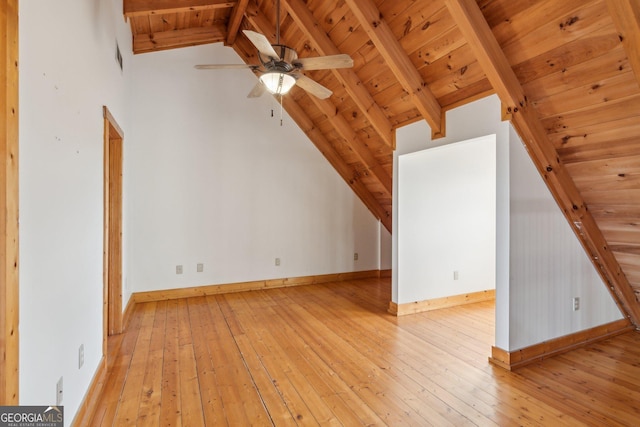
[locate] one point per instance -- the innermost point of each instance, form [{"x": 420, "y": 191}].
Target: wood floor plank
[
  {"x": 192, "y": 413},
  {"x": 304, "y": 375},
  {"x": 190, "y": 401},
  {"x": 170, "y": 408},
  {"x": 274, "y": 405},
  {"x": 337, "y": 394},
  {"x": 419, "y": 365},
  {"x": 330, "y": 354},
  {"x": 127, "y": 412},
  {"x": 373, "y": 383},
  {"x": 204, "y": 337},
  {"x": 149, "y": 410},
  {"x": 277, "y": 363},
  {"x": 120, "y": 348},
  {"x": 605, "y": 397}
]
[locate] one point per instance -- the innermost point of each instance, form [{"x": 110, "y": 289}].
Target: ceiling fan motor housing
[{"x": 285, "y": 64}]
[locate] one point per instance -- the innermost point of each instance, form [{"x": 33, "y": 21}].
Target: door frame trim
[{"x": 112, "y": 289}]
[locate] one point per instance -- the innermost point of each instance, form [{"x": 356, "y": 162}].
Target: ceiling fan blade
[
  {"x": 225, "y": 66},
  {"x": 261, "y": 43},
  {"x": 325, "y": 62},
  {"x": 257, "y": 90},
  {"x": 313, "y": 87}
]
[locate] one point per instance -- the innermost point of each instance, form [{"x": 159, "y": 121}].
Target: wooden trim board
[
  {"x": 90, "y": 401},
  {"x": 9, "y": 200},
  {"x": 198, "y": 291},
  {"x": 437, "y": 303},
  {"x": 537, "y": 352},
  {"x": 112, "y": 238}
]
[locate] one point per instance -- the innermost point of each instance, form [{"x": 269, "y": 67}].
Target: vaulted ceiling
[{"x": 567, "y": 74}]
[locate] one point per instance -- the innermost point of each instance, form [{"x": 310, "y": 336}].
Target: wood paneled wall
[{"x": 9, "y": 203}]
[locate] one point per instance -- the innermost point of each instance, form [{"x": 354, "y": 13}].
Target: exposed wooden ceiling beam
[
  {"x": 349, "y": 174},
  {"x": 347, "y": 77},
  {"x": 347, "y": 133},
  {"x": 346, "y": 172},
  {"x": 338, "y": 121},
  {"x": 157, "y": 7},
  {"x": 626, "y": 17},
  {"x": 478, "y": 34},
  {"x": 368, "y": 15},
  {"x": 235, "y": 19},
  {"x": 143, "y": 43}
]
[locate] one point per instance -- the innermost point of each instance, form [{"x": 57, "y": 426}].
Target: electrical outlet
[
  {"x": 59, "y": 392},
  {"x": 355, "y": 256},
  {"x": 178, "y": 269},
  {"x": 277, "y": 261},
  {"x": 81, "y": 356},
  {"x": 200, "y": 268},
  {"x": 455, "y": 275},
  {"x": 576, "y": 303}
]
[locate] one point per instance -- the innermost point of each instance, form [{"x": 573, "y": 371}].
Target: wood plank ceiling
[{"x": 567, "y": 73}]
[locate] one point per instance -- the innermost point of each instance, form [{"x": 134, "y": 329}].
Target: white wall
[
  {"x": 548, "y": 265},
  {"x": 447, "y": 220},
  {"x": 386, "y": 254},
  {"x": 209, "y": 177},
  {"x": 67, "y": 73},
  {"x": 470, "y": 121},
  {"x": 212, "y": 178},
  {"x": 540, "y": 265}
]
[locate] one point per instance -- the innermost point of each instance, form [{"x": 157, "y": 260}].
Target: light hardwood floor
[{"x": 331, "y": 355}]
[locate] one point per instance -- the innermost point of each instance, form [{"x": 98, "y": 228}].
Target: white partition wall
[
  {"x": 548, "y": 267},
  {"x": 539, "y": 265},
  {"x": 447, "y": 220},
  {"x": 476, "y": 120}
]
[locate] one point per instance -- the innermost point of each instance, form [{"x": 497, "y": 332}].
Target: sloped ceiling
[{"x": 567, "y": 73}]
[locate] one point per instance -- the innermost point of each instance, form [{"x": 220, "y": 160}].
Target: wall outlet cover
[{"x": 81, "y": 356}]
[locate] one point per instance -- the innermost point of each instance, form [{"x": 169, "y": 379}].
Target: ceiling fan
[{"x": 280, "y": 68}]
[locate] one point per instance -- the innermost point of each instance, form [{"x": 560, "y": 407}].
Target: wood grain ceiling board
[
  {"x": 575, "y": 71},
  {"x": 576, "y": 52},
  {"x": 626, "y": 17},
  {"x": 524, "y": 118},
  {"x": 607, "y": 149},
  {"x": 592, "y": 95},
  {"x": 609, "y": 64}
]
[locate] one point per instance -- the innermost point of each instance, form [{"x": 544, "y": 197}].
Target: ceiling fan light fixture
[{"x": 278, "y": 83}]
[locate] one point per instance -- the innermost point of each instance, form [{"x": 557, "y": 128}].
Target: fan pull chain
[{"x": 280, "y": 110}]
